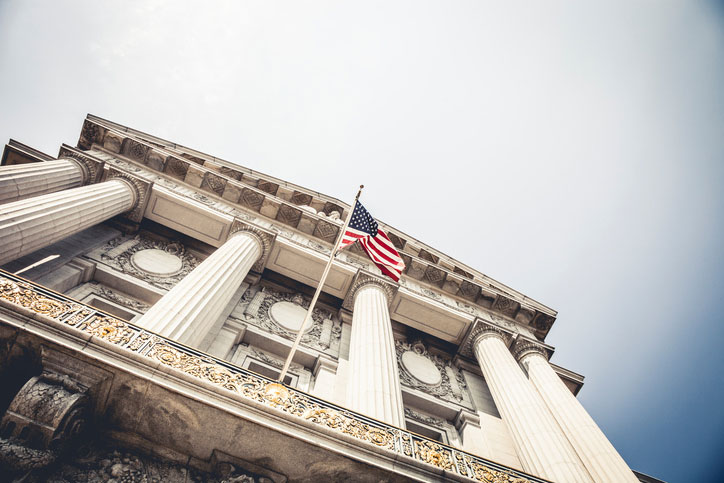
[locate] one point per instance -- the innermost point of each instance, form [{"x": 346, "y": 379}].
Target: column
[
  {"x": 373, "y": 387},
  {"x": 542, "y": 448},
  {"x": 191, "y": 308},
  {"x": 598, "y": 455},
  {"x": 33, "y": 223},
  {"x": 23, "y": 181}
]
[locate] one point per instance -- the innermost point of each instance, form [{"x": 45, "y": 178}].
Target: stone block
[
  {"x": 213, "y": 183},
  {"x": 285, "y": 193},
  {"x": 326, "y": 231},
  {"x": 232, "y": 192},
  {"x": 112, "y": 142},
  {"x": 155, "y": 161},
  {"x": 176, "y": 167},
  {"x": 194, "y": 176},
  {"x": 252, "y": 199},
  {"x": 307, "y": 224},
  {"x": 269, "y": 208},
  {"x": 452, "y": 284},
  {"x": 289, "y": 215}
]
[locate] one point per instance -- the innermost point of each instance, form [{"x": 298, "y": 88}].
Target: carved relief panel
[
  {"x": 160, "y": 263},
  {"x": 430, "y": 373},
  {"x": 281, "y": 312}
]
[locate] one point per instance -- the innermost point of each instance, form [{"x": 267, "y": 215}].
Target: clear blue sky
[{"x": 574, "y": 152}]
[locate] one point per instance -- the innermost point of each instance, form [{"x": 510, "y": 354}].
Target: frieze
[
  {"x": 246, "y": 384},
  {"x": 122, "y": 259},
  {"x": 451, "y": 386},
  {"x": 540, "y": 323}
]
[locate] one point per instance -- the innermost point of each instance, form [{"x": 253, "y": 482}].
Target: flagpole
[{"x": 288, "y": 362}]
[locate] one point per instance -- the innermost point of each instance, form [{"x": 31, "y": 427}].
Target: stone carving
[
  {"x": 482, "y": 328},
  {"x": 42, "y": 422},
  {"x": 449, "y": 389},
  {"x": 424, "y": 419},
  {"x": 123, "y": 260},
  {"x": 262, "y": 356},
  {"x": 523, "y": 347},
  {"x": 245, "y": 383},
  {"x": 266, "y": 240},
  {"x": 363, "y": 278},
  {"x": 258, "y": 312},
  {"x": 92, "y": 168},
  {"x": 141, "y": 187},
  {"x": 109, "y": 294},
  {"x": 93, "y": 465}
]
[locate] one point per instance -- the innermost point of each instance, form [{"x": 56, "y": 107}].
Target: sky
[{"x": 571, "y": 150}]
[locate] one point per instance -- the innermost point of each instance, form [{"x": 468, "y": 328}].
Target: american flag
[{"x": 374, "y": 241}]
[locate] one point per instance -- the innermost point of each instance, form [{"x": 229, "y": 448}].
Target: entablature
[{"x": 318, "y": 217}]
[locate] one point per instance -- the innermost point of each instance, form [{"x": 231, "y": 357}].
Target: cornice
[
  {"x": 363, "y": 278},
  {"x": 92, "y": 168},
  {"x": 479, "y": 330},
  {"x": 264, "y": 237},
  {"x": 141, "y": 188}
]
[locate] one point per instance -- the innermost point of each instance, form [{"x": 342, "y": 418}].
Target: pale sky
[{"x": 574, "y": 152}]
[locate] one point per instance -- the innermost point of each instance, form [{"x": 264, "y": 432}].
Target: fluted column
[
  {"x": 542, "y": 448},
  {"x": 598, "y": 455},
  {"x": 373, "y": 387},
  {"x": 191, "y": 308},
  {"x": 22, "y": 181},
  {"x": 30, "y": 224}
]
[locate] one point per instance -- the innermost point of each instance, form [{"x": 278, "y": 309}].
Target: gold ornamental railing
[{"x": 250, "y": 384}]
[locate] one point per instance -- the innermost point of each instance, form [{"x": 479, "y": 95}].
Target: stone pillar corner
[
  {"x": 141, "y": 188},
  {"x": 265, "y": 238},
  {"x": 482, "y": 328},
  {"x": 363, "y": 278},
  {"x": 92, "y": 167},
  {"x": 324, "y": 362},
  {"x": 466, "y": 417},
  {"x": 524, "y": 346}
]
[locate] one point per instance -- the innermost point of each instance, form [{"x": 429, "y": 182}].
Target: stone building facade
[{"x": 149, "y": 294}]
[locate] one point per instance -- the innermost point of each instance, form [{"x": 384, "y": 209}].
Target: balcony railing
[{"x": 250, "y": 384}]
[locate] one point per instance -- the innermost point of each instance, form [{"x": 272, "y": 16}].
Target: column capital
[
  {"x": 523, "y": 347},
  {"x": 478, "y": 331},
  {"x": 364, "y": 278},
  {"x": 264, "y": 238},
  {"x": 140, "y": 187},
  {"x": 91, "y": 167}
]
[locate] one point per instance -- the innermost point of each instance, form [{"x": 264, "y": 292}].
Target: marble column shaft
[
  {"x": 191, "y": 308},
  {"x": 374, "y": 384},
  {"x": 21, "y": 181},
  {"x": 30, "y": 224},
  {"x": 595, "y": 450},
  {"x": 542, "y": 448}
]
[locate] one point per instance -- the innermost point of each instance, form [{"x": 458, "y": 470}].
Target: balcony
[{"x": 159, "y": 393}]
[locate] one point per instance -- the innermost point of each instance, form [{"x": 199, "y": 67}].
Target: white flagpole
[{"x": 288, "y": 362}]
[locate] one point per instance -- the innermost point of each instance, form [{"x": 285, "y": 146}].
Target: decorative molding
[
  {"x": 363, "y": 278},
  {"x": 479, "y": 330},
  {"x": 118, "y": 253},
  {"x": 264, "y": 237},
  {"x": 92, "y": 167},
  {"x": 141, "y": 188},
  {"x": 425, "y": 419},
  {"x": 113, "y": 296}
]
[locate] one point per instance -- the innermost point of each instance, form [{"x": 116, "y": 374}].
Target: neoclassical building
[{"x": 149, "y": 294}]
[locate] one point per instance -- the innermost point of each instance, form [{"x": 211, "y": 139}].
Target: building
[{"x": 149, "y": 294}]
